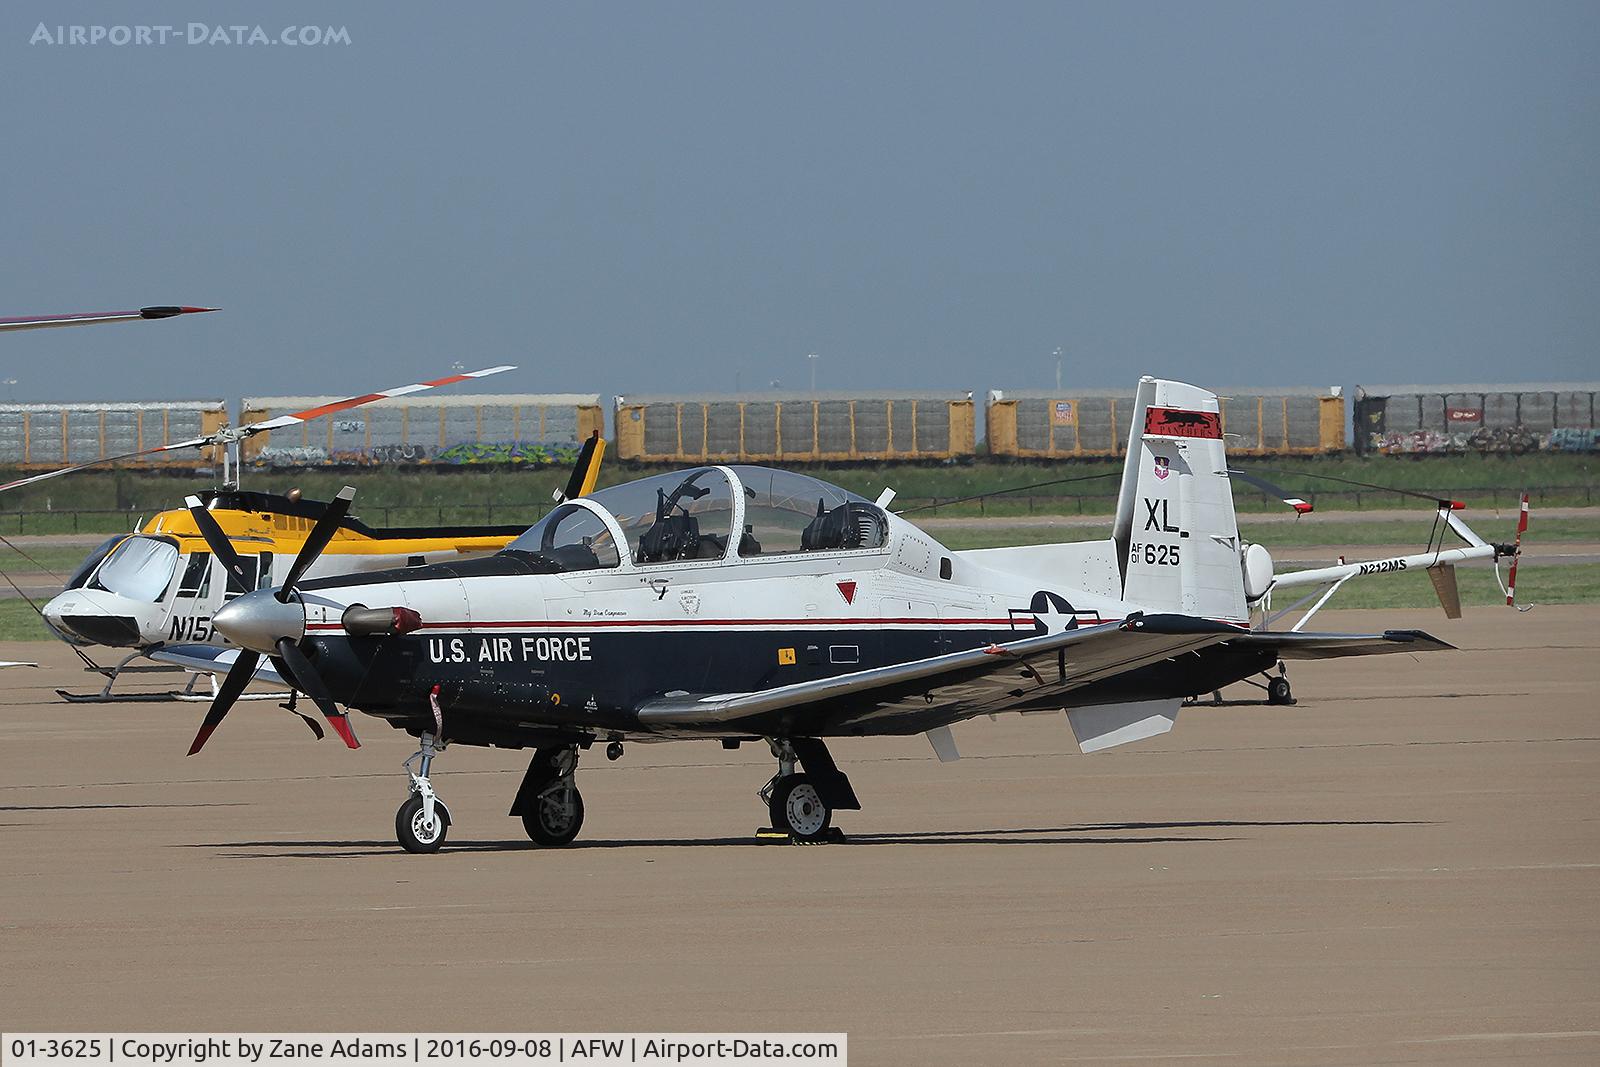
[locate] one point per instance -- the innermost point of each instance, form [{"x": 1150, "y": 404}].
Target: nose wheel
[
  {"x": 416, "y": 830},
  {"x": 423, "y": 821}
]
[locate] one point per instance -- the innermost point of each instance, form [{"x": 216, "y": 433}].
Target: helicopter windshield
[
  {"x": 80, "y": 576},
  {"x": 140, "y": 569}
]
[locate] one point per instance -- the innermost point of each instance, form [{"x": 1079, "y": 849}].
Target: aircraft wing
[
  {"x": 209, "y": 659},
  {"x": 1291, "y": 645},
  {"x": 90, "y": 318},
  {"x": 995, "y": 678}
]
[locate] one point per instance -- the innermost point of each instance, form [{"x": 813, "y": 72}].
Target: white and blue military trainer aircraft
[{"x": 747, "y": 604}]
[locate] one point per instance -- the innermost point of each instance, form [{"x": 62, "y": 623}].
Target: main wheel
[
  {"x": 415, "y": 832},
  {"x": 1278, "y": 691},
  {"x": 556, "y": 818},
  {"x": 797, "y": 807}
]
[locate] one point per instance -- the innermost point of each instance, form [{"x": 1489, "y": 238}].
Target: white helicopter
[
  {"x": 737, "y": 604},
  {"x": 91, "y": 318},
  {"x": 162, "y": 584}
]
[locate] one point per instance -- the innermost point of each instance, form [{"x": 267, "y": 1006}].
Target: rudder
[{"x": 1176, "y": 535}]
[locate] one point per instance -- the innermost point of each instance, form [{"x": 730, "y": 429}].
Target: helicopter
[
  {"x": 162, "y": 584},
  {"x": 742, "y": 604}
]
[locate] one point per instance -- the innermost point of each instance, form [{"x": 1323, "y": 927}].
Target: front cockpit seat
[{"x": 850, "y": 525}]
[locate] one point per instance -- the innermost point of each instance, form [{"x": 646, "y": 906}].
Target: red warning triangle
[{"x": 848, "y": 591}]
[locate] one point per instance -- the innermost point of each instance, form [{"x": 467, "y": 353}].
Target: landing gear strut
[
  {"x": 1278, "y": 691},
  {"x": 548, "y": 800},
  {"x": 802, "y": 805},
  {"x": 423, "y": 820}
]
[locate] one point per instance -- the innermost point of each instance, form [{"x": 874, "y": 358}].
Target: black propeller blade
[
  {"x": 586, "y": 469},
  {"x": 308, "y": 681},
  {"x": 238, "y": 677},
  {"x": 317, "y": 540},
  {"x": 220, "y": 546},
  {"x": 1300, "y": 505}
]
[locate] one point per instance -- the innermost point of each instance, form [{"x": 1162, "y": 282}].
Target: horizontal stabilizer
[{"x": 1332, "y": 646}]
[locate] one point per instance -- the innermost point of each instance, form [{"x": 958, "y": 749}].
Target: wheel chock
[{"x": 767, "y": 835}]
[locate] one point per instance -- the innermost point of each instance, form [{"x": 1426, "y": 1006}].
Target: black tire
[
  {"x": 412, "y": 834},
  {"x": 548, "y": 824},
  {"x": 797, "y": 808},
  {"x": 1278, "y": 691}
]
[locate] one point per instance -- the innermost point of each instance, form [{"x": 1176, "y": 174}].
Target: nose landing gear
[{"x": 423, "y": 820}]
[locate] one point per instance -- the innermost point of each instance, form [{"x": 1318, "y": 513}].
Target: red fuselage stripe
[{"x": 545, "y": 624}]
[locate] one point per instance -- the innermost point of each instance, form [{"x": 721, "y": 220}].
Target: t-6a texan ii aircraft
[{"x": 746, "y": 604}]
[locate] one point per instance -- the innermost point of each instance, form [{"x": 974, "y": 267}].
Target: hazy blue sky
[{"x": 639, "y": 198}]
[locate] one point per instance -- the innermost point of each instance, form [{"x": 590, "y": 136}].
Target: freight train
[{"x": 541, "y": 429}]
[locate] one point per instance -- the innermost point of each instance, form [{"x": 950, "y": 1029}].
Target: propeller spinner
[{"x": 271, "y": 622}]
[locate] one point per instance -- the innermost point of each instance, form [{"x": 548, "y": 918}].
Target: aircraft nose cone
[
  {"x": 82, "y": 617},
  {"x": 258, "y": 621}
]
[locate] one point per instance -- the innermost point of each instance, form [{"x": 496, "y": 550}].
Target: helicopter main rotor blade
[
  {"x": 317, "y": 540},
  {"x": 239, "y": 675},
  {"x": 218, "y": 541},
  {"x": 308, "y": 681},
  {"x": 198, "y": 442},
  {"x": 90, "y": 318},
  {"x": 295, "y": 418},
  {"x": 226, "y": 434}
]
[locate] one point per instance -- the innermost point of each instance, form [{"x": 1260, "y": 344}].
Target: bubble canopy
[{"x": 689, "y": 515}]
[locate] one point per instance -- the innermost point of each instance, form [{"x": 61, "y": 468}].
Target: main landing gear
[
  {"x": 548, "y": 800},
  {"x": 801, "y": 806},
  {"x": 423, "y": 820}
]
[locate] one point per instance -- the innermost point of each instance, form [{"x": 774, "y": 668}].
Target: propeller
[
  {"x": 1301, "y": 506},
  {"x": 219, "y": 544},
  {"x": 266, "y": 626},
  {"x": 1516, "y": 556},
  {"x": 586, "y": 470},
  {"x": 317, "y": 540}
]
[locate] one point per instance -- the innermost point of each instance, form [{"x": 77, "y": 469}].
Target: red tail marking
[{"x": 1175, "y": 422}]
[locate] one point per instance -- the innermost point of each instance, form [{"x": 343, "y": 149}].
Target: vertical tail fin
[{"x": 1176, "y": 535}]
